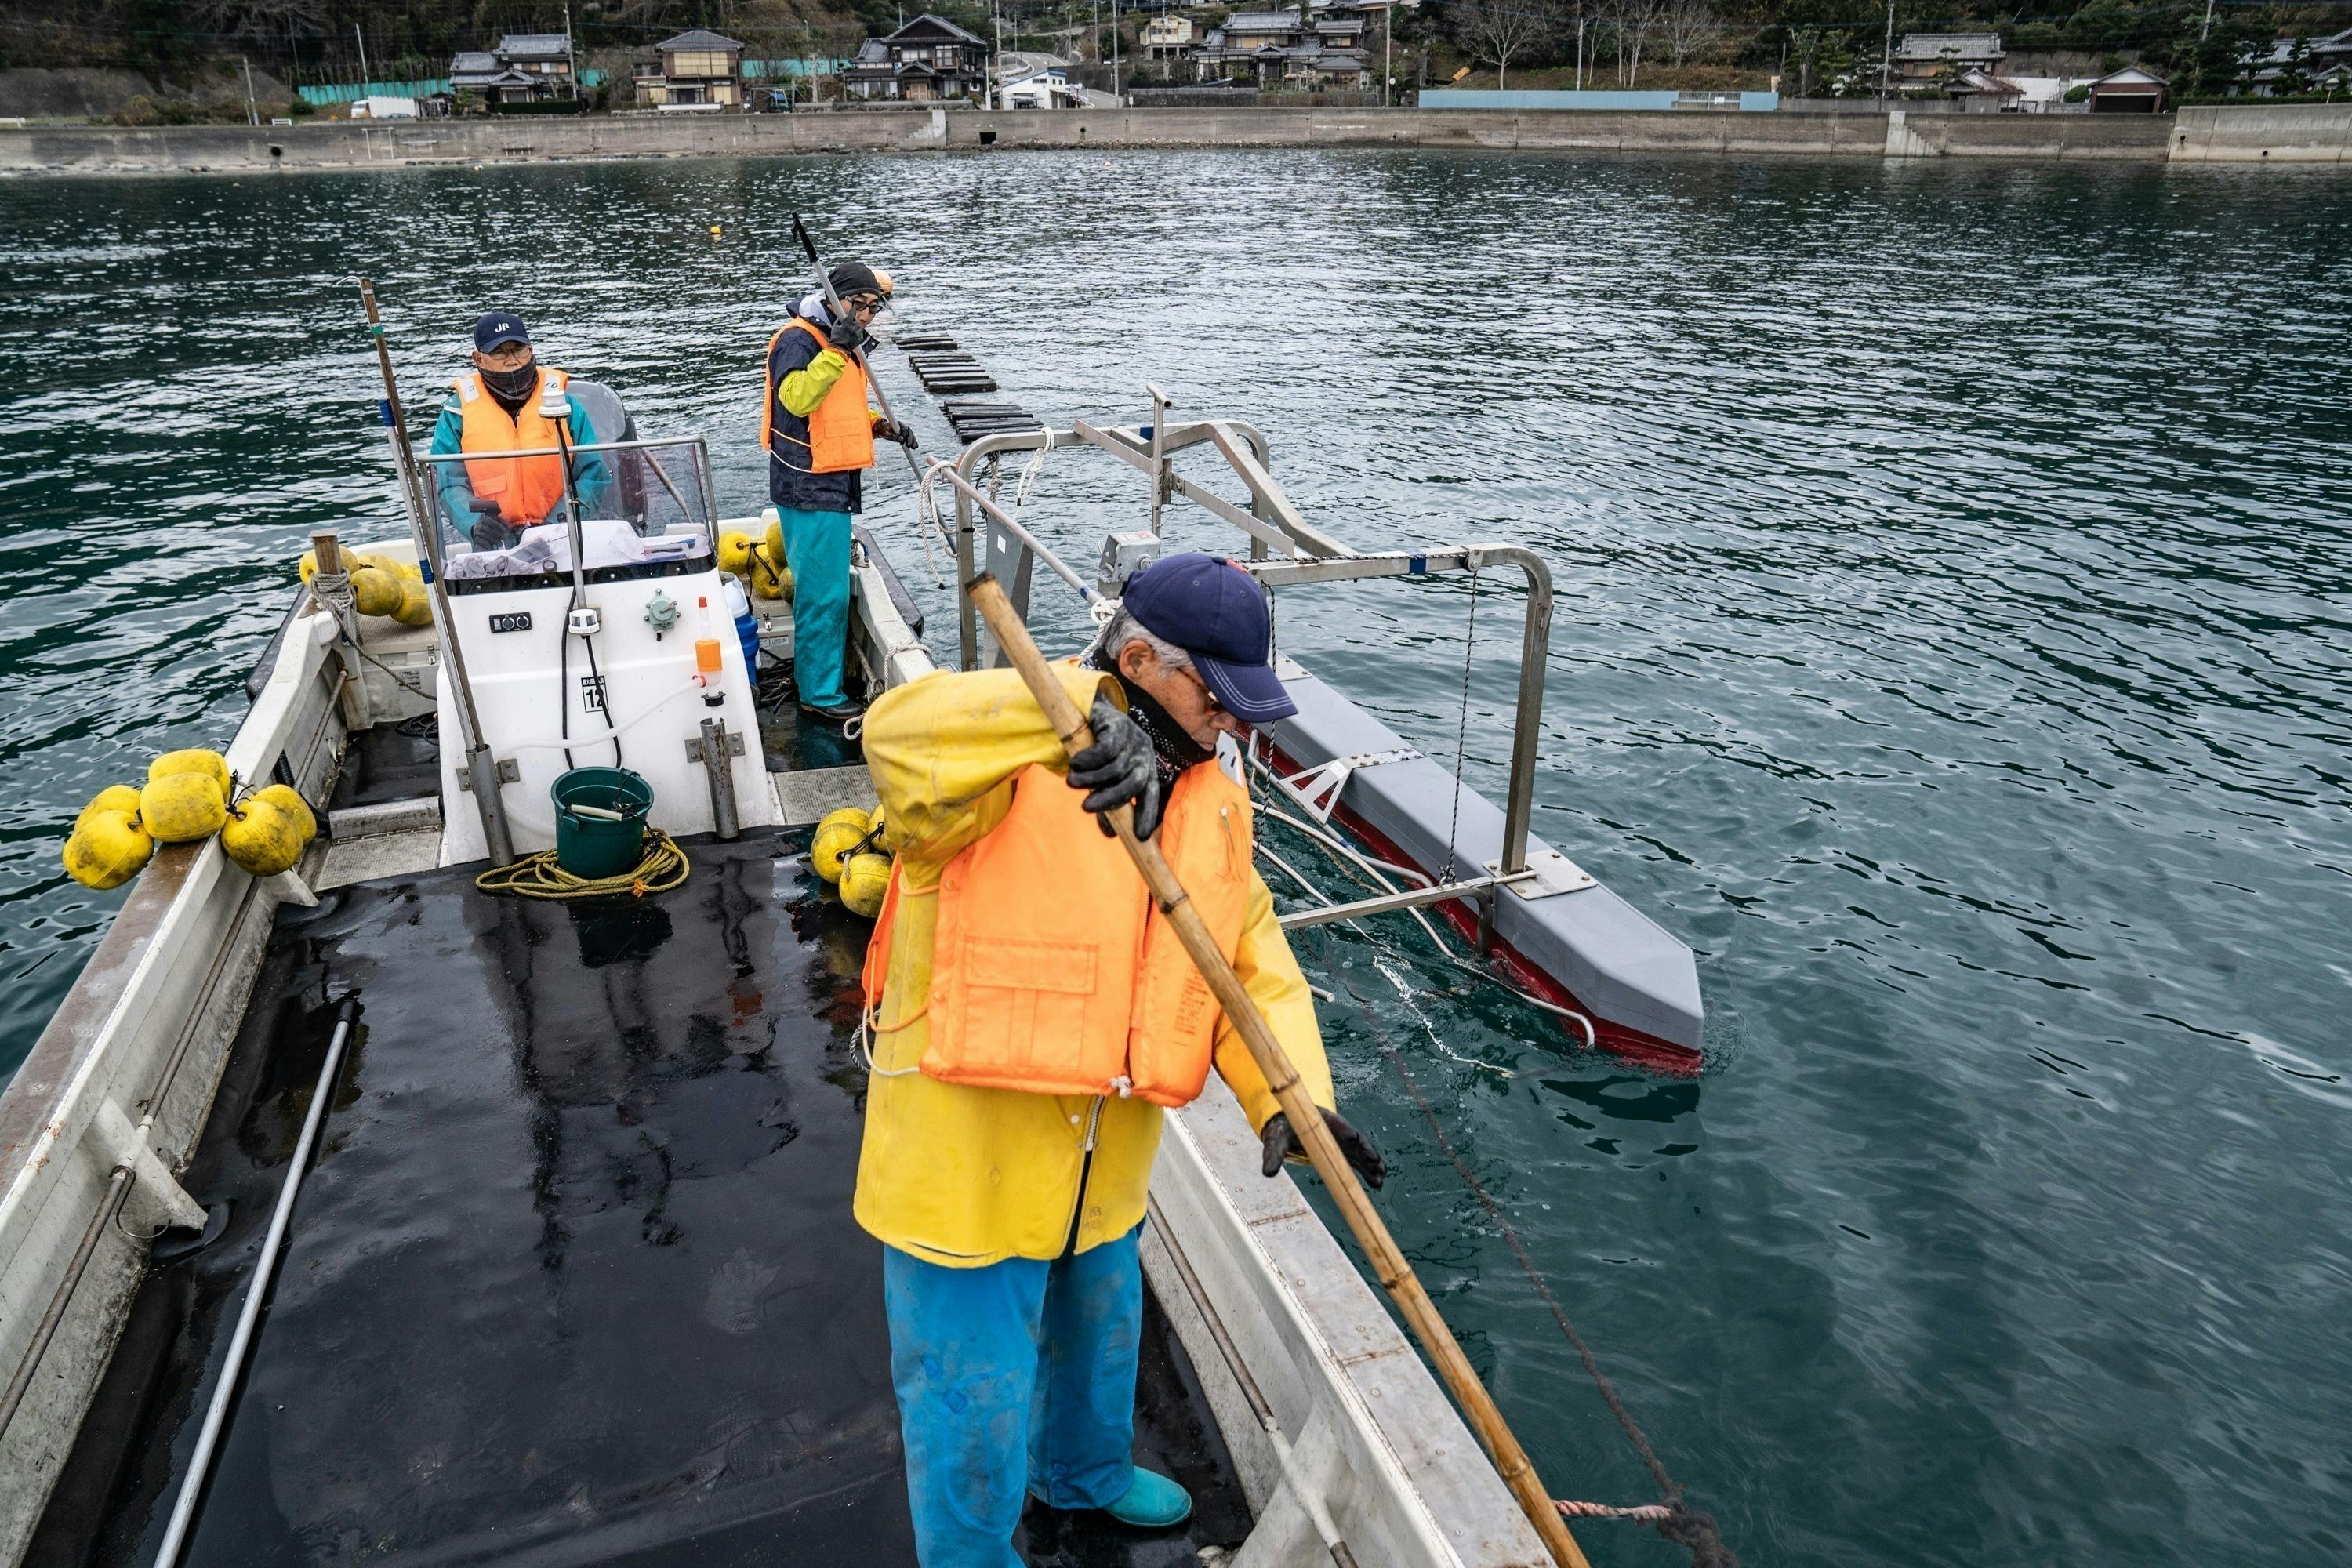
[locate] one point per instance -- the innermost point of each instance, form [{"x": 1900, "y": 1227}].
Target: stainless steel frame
[
  {"x": 700, "y": 448},
  {"x": 1285, "y": 550}
]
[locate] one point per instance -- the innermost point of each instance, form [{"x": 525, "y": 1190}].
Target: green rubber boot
[{"x": 1151, "y": 1502}]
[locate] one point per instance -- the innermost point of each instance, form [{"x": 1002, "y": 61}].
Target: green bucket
[{"x": 590, "y": 843}]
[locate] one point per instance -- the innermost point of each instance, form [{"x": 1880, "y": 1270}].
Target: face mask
[{"x": 513, "y": 384}]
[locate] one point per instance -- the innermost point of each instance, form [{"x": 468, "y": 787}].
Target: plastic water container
[
  {"x": 595, "y": 843},
  {"x": 747, "y": 625}
]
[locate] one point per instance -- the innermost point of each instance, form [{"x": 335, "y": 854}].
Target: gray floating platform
[{"x": 1589, "y": 948}]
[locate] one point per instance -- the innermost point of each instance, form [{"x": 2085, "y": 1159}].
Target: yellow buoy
[
  {"x": 879, "y": 827},
  {"x": 308, "y": 567},
  {"x": 377, "y": 591},
  {"x": 837, "y": 834},
  {"x": 179, "y": 808},
  {"x": 123, "y": 798},
  {"x": 416, "y": 604},
  {"x": 106, "y": 850},
  {"x": 864, "y": 880},
  {"x": 262, "y": 837},
  {"x": 288, "y": 799},
  {"x": 408, "y": 571},
  {"x": 193, "y": 759},
  {"x": 774, "y": 539},
  {"x": 735, "y": 552},
  {"x": 770, "y": 578}
]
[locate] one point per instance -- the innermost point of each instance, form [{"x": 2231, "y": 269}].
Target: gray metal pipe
[
  {"x": 717, "y": 767},
  {"x": 1413, "y": 897},
  {"x": 200, "y": 1462}
]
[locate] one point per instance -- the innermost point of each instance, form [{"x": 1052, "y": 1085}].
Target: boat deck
[{"x": 574, "y": 1281}]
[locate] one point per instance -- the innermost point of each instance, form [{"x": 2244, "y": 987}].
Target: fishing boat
[{"x": 367, "y": 1211}]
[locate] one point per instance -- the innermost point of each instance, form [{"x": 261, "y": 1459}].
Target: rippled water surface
[{"x": 1952, "y": 646}]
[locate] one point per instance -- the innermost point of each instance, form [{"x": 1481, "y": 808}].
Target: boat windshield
[{"x": 656, "y": 488}]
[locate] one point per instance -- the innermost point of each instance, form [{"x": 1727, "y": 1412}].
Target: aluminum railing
[{"x": 1285, "y": 550}]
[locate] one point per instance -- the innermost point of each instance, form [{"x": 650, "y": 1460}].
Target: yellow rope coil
[{"x": 539, "y": 876}]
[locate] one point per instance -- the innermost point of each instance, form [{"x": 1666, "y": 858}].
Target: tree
[
  {"x": 2294, "y": 74},
  {"x": 1631, "y": 23},
  {"x": 1497, "y": 30},
  {"x": 1691, "y": 27},
  {"x": 2221, "y": 60}
]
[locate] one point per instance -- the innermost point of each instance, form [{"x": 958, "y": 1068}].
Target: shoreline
[{"x": 2302, "y": 135}]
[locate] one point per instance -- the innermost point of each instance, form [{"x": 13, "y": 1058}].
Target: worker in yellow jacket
[{"x": 1029, "y": 1015}]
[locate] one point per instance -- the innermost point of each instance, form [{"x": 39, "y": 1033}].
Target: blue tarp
[
  {"x": 754, "y": 70},
  {"x": 351, "y": 91},
  {"x": 1456, "y": 98}
]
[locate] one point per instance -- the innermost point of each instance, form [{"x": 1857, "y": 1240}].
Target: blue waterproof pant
[
  {"x": 1016, "y": 1378},
  {"x": 816, "y": 547}
]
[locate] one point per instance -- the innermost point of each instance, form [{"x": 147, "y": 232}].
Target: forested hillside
[{"x": 1812, "y": 45}]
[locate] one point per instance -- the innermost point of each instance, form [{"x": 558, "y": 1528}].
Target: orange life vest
[
  {"x": 840, "y": 430},
  {"x": 1053, "y": 972},
  {"x": 526, "y": 489}
]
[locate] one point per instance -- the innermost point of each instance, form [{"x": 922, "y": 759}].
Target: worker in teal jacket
[{"x": 493, "y": 408}]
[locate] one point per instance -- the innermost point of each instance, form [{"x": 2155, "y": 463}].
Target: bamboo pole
[{"x": 1388, "y": 1260}]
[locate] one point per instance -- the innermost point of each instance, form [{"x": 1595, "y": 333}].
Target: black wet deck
[
  {"x": 395, "y": 762},
  {"x": 574, "y": 1280}
]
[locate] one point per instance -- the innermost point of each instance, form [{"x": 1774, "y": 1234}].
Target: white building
[{"x": 1046, "y": 89}]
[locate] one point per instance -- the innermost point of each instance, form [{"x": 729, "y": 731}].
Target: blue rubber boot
[{"x": 1151, "y": 1502}]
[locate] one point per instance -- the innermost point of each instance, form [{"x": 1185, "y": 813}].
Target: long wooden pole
[{"x": 1388, "y": 1261}]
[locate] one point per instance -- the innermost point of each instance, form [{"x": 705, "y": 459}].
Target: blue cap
[
  {"x": 1216, "y": 612},
  {"x": 492, "y": 328}
]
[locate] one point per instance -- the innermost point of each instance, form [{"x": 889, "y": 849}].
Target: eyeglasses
[
  {"x": 1207, "y": 696},
  {"x": 864, "y": 304}
]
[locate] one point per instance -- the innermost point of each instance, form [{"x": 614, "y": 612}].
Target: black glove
[
  {"x": 1118, "y": 768},
  {"x": 1282, "y": 1143},
  {"x": 846, "y": 336},
  {"x": 891, "y": 430},
  {"x": 490, "y": 531}
]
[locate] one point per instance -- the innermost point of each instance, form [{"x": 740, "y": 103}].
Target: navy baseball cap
[
  {"x": 492, "y": 328},
  {"x": 1216, "y": 612}
]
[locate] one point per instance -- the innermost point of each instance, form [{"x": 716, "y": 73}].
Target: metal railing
[
  {"x": 1285, "y": 550},
  {"x": 694, "y": 445}
]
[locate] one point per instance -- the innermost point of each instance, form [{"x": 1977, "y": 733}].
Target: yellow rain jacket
[{"x": 965, "y": 1176}]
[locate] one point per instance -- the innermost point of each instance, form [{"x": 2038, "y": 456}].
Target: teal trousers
[{"x": 816, "y": 548}]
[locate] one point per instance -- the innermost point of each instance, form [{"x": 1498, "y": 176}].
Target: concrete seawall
[
  {"x": 2280, "y": 133},
  {"x": 2301, "y": 134}
]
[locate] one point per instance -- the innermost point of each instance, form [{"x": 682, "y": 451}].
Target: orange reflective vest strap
[
  {"x": 1051, "y": 971},
  {"x": 526, "y": 489},
  {"x": 840, "y": 429},
  {"x": 1205, "y": 835},
  {"x": 876, "y": 968}
]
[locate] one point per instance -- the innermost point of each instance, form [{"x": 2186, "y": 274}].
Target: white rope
[{"x": 1029, "y": 472}]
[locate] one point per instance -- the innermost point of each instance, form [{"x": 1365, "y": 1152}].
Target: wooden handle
[{"x": 1305, "y": 1119}]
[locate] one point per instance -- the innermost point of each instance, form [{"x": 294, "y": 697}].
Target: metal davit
[{"x": 1285, "y": 551}]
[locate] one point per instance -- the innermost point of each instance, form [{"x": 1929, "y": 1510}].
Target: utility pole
[
  {"x": 1579, "y": 48},
  {"x": 363, "y": 65},
  {"x": 1388, "y": 31},
  {"x": 1115, "y": 95},
  {"x": 2207, "y": 27},
  {"x": 996, "y": 98},
  {"x": 571, "y": 57},
  {"x": 252, "y": 115},
  {"x": 1887, "y": 60}
]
